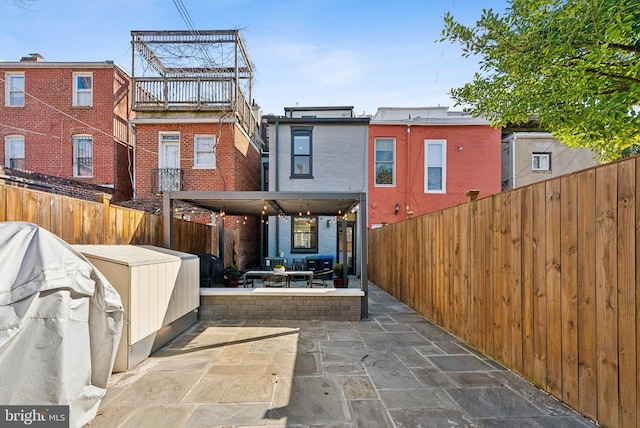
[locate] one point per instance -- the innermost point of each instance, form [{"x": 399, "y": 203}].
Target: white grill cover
[{"x": 60, "y": 323}]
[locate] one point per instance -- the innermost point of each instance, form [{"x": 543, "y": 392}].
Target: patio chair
[
  {"x": 322, "y": 277},
  {"x": 297, "y": 265},
  {"x": 275, "y": 280}
]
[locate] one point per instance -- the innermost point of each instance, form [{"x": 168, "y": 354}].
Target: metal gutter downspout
[
  {"x": 129, "y": 124},
  {"x": 277, "y": 186},
  {"x": 133, "y": 168},
  {"x": 513, "y": 160},
  {"x": 407, "y": 188}
]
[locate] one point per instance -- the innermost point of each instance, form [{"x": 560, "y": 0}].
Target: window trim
[
  {"x": 393, "y": 162},
  {"x": 77, "y": 91},
  {"x": 74, "y": 139},
  {"x": 540, "y": 154},
  {"x": 7, "y": 88},
  {"x": 301, "y": 131},
  {"x": 443, "y": 144},
  {"x": 7, "y": 151},
  {"x": 196, "y": 165},
  {"x": 316, "y": 233}
]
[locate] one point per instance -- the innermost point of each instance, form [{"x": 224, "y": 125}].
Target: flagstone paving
[{"x": 394, "y": 369}]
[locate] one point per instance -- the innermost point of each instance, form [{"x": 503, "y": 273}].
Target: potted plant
[
  {"x": 232, "y": 276},
  {"x": 338, "y": 271}
]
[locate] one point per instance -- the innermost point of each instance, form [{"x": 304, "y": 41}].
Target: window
[
  {"x": 541, "y": 162},
  {"x": 14, "y": 151},
  {"x": 204, "y": 154},
  {"x": 435, "y": 166},
  {"x": 169, "y": 149},
  {"x": 169, "y": 174},
  {"x": 385, "y": 149},
  {"x": 301, "y": 153},
  {"x": 304, "y": 235},
  {"x": 14, "y": 89},
  {"x": 82, "y": 156},
  {"x": 82, "y": 89}
]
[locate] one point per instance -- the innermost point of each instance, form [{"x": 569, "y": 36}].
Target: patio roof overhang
[
  {"x": 271, "y": 203},
  {"x": 258, "y": 203}
]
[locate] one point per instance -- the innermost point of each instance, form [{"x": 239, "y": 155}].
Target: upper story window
[
  {"x": 204, "y": 155},
  {"x": 304, "y": 235},
  {"x": 14, "y": 151},
  {"x": 385, "y": 154},
  {"x": 14, "y": 89},
  {"x": 435, "y": 166},
  {"x": 541, "y": 162},
  {"x": 82, "y": 89},
  {"x": 82, "y": 156},
  {"x": 301, "y": 152}
]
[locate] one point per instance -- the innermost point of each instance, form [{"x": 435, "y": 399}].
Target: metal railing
[
  {"x": 166, "y": 180},
  {"x": 193, "y": 93}
]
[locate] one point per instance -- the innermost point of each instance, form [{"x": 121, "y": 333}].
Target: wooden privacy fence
[
  {"x": 541, "y": 278},
  {"x": 77, "y": 221}
]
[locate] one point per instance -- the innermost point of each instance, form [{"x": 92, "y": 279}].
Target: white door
[{"x": 169, "y": 163}]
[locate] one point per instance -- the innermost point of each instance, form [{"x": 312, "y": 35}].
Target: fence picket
[
  {"x": 569, "y": 289},
  {"x": 626, "y": 288}
]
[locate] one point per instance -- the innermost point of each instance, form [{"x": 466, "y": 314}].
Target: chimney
[{"x": 33, "y": 57}]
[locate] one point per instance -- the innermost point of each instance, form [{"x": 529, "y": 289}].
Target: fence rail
[
  {"x": 78, "y": 221},
  {"x": 542, "y": 278}
]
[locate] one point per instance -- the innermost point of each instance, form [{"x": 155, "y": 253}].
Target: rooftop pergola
[
  {"x": 279, "y": 204},
  {"x": 206, "y": 70}
]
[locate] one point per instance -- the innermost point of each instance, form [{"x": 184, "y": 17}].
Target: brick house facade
[
  {"x": 426, "y": 159},
  {"x": 68, "y": 120},
  {"x": 195, "y": 128},
  {"x": 237, "y": 168}
]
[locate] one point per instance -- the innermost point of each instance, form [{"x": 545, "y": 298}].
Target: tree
[{"x": 573, "y": 64}]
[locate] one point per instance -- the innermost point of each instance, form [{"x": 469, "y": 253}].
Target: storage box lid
[
  {"x": 128, "y": 255},
  {"x": 182, "y": 255}
]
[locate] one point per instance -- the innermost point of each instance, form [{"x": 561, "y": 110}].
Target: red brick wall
[
  {"x": 476, "y": 166},
  {"x": 233, "y": 171},
  {"x": 49, "y": 122}
]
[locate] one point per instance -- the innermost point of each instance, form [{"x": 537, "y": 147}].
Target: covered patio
[{"x": 270, "y": 204}]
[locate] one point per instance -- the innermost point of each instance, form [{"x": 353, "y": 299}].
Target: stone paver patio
[{"x": 395, "y": 369}]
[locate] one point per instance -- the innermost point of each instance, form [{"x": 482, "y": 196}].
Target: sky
[{"x": 306, "y": 53}]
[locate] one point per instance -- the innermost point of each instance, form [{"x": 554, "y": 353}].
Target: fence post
[
  {"x": 105, "y": 199},
  {"x": 472, "y": 194}
]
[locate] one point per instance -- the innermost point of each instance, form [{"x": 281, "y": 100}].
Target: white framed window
[
  {"x": 204, "y": 154},
  {"x": 82, "y": 156},
  {"x": 304, "y": 234},
  {"x": 301, "y": 152},
  {"x": 14, "y": 89},
  {"x": 435, "y": 166},
  {"x": 385, "y": 162},
  {"x": 14, "y": 151},
  {"x": 541, "y": 161},
  {"x": 82, "y": 89}
]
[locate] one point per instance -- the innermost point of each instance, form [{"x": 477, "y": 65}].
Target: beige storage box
[{"x": 160, "y": 292}]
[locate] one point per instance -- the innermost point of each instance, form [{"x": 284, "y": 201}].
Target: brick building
[
  {"x": 68, "y": 120},
  {"x": 196, "y": 128},
  {"x": 426, "y": 159}
]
